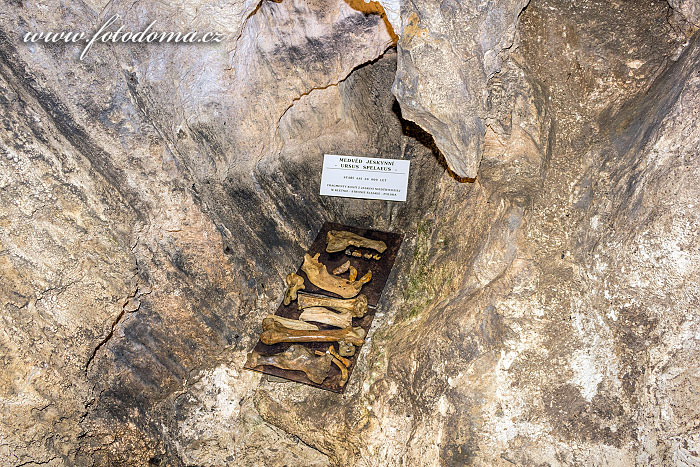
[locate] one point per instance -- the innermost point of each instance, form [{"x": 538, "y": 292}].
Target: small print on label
[{"x": 364, "y": 177}]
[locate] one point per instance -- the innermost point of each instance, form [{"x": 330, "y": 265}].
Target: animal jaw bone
[
  {"x": 298, "y": 358},
  {"x": 338, "y": 240},
  {"x": 292, "y": 323},
  {"x": 275, "y": 333},
  {"x": 323, "y": 315},
  {"x": 356, "y": 306},
  {"x": 294, "y": 283},
  {"x": 319, "y": 276}
]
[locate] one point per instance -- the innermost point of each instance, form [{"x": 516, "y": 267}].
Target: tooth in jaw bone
[
  {"x": 356, "y": 306},
  {"x": 319, "y": 276},
  {"x": 339, "y": 240},
  {"x": 297, "y": 358}
]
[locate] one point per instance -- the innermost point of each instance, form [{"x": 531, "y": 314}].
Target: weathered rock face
[
  {"x": 544, "y": 313},
  {"x": 448, "y": 52}
]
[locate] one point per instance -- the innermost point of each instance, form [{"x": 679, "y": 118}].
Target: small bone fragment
[
  {"x": 291, "y": 323},
  {"x": 298, "y": 358},
  {"x": 353, "y": 274},
  {"x": 356, "y": 306},
  {"x": 367, "y": 255},
  {"x": 294, "y": 284},
  {"x": 319, "y": 314},
  {"x": 276, "y": 333},
  {"x": 345, "y": 349},
  {"x": 345, "y": 361},
  {"x": 339, "y": 363},
  {"x": 357, "y": 254},
  {"x": 338, "y": 240},
  {"x": 319, "y": 276},
  {"x": 342, "y": 268},
  {"x": 376, "y": 256}
]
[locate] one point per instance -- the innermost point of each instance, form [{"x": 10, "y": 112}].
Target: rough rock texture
[
  {"x": 154, "y": 198},
  {"x": 689, "y": 9},
  {"x": 448, "y": 52}
]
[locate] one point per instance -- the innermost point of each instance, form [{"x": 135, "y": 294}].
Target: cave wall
[{"x": 543, "y": 308}]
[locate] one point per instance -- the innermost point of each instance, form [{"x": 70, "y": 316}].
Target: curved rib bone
[
  {"x": 294, "y": 283},
  {"x": 340, "y": 362},
  {"x": 275, "y": 333},
  {"x": 298, "y": 358},
  {"x": 319, "y": 276},
  {"x": 338, "y": 240},
  {"x": 356, "y": 306},
  {"x": 326, "y": 316}
]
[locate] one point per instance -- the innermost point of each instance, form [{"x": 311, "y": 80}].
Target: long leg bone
[
  {"x": 319, "y": 314},
  {"x": 298, "y": 358},
  {"x": 338, "y": 240},
  {"x": 356, "y": 306},
  {"x": 319, "y": 276},
  {"x": 294, "y": 284},
  {"x": 275, "y": 333},
  {"x": 292, "y": 323}
]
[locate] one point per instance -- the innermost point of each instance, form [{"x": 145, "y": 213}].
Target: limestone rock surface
[
  {"x": 153, "y": 198},
  {"x": 448, "y": 52}
]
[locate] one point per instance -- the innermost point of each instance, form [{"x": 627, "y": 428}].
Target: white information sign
[{"x": 364, "y": 177}]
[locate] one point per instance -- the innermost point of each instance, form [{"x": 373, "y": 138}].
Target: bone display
[
  {"x": 342, "y": 268},
  {"x": 294, "y": 284},
  {"x": 319, "y": 276},
  {"x": 333, "y": 304},
  {"x": 298, "y": 358},
  {"x": 356, "y": 306},
  {"x": 276, "y": 333},
  {"x": 291, "y": 323},
  {"x": 345, "y": 349},
  {"x": 338, "y": 240},
  {"x": 323, "y": 315}
]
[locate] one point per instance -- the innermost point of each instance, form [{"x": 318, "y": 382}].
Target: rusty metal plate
[{"x": 373, "y": 290}]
